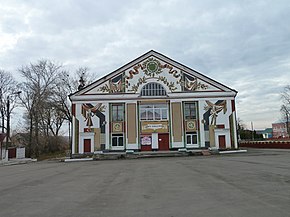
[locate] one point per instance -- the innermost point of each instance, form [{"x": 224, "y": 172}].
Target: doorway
[
  {"x": 87, "y": 145},
  {"x": 163, "y": 142},
  {"x": 222, "y": 142}
]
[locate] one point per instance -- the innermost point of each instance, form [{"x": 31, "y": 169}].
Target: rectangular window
[
  {"x": 117, "y": 140},
  {"x": 154, "y": 112},
  {"x": 118, "y": 112},
  {"x": 190, "y": 110},
  {"x": 191, "y": 139},
  {"x": 164, "y": 114}
]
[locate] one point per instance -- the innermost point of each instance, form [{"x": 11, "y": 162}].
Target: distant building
[
  {"x": 280, "y": 130},
  {"x": 153, "y": 103},
  {"x": 267, "y": 133}
]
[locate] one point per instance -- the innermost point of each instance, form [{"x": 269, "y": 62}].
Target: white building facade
[{"x": 153, "y": 103}]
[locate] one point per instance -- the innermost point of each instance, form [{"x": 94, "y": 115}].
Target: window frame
[
  {"x": 192, "y": 109},
  {"x": 153, "y": 89},
  {"x": 162, "y": 112},
  {"x": 118, "y": 136},
  {"x": 119, "y": 112},
  {"x": 192, "y": 134}
]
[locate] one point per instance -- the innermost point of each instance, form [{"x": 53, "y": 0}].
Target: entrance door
[
  {"x": 163, "y": 142},
  {"x": 222, "y": 142},
  {"x": 87, "y": 145}
]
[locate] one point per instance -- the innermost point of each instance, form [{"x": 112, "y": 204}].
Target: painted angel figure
[
  {"x": 89, "y": 112},
  {"x": 215, "y": 109},
  {"x": 88, "y": 118}
]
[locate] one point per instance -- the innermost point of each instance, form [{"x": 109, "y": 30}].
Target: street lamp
[{"x": 8, "y": 117}]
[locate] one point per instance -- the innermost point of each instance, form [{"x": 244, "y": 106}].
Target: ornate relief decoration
[
  {"x": 115, "y": 85},
  {"x": 117, "y": 127},
  {"x": 172, "y": 71},
  {"x": 152, "y": 69},
  {"x": 190, "y": 83},
  {"x": 88, "y": 111},
  {"x": 170, "y": 85},
  {"x": 133, "y": 72},
  {"x": 135, "y": 87},
  {"x": 214, "y": 109},
  {"x": 191, "y": 125}
]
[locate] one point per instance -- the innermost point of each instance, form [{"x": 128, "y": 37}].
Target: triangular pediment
[{"x": 153, "y": 67}]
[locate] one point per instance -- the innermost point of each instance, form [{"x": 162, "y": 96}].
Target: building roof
[
  {"x": 268, "y": 130},
  {"x": 160, "y": 57}
]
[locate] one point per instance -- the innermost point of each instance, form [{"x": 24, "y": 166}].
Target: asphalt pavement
[{"x": 256, "y": 183}]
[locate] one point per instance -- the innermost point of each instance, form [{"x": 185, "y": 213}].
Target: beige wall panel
[
  {"x": 176, "y": 121},
  {"x": 97, "y": 138},
  {"x": 131, "y": 123},
  {"x": 103, "y": 138},
  {"x": 211, "y": 136}
]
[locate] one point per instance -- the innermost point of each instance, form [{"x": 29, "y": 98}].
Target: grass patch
[{"x": 51, "y": 156}]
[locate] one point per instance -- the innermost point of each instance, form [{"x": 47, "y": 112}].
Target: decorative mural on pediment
[
  {"x": 152, "y": 69},
  {"x": 165, "y": 73},
  {"x": 190, "y": 83},
  {"x": 114, "y": 85},
  {"x": 155, "y": 70}
]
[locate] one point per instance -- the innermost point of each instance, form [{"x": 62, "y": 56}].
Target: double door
[{"x": 159, "y": 141}]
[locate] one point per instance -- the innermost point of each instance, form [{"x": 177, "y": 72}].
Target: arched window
[{"x": 153, "y": 89}]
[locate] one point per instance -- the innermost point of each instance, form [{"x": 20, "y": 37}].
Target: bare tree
[
  {"x": 45, "y": 97},
  {"x": 41, "y": 80},
  {"x": 286, "y": 95},
  {"x": 8, "y": 88},
  {"x": 69, "y": 84},
  {"x": 285, "y": 108},
  {"x": 7, "y": 103}
]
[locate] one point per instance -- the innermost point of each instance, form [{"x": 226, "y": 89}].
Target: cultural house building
[{"x": 153, "y": 103}]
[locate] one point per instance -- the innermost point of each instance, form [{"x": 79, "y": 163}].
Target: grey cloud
[{"x": 243, "y": 44}]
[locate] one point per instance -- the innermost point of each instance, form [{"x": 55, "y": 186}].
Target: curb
[
  {"x": 17, "y": 162},
  {"x": 76, "y": 159},
  {"x": 232, "y": 152},
  {"x": 138, "y": 155}
]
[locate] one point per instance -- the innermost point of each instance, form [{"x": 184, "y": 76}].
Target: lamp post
[{"x": 8, "y": 117}]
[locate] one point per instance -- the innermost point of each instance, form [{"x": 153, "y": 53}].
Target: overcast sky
[{"x": 244, "y": 44}]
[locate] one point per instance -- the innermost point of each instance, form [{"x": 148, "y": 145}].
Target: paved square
[{"x": 252, "y": 184}]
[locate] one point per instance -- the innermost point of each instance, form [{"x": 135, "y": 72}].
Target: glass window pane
[
  {"x": 114, "y": 115},
  {"x": 117, "y": 112},
  {"x": 186, "y": 111},
  {"x": 150, "y": 114},
  {"x": 120, "y": 112},
  {"x": 157, "y": 114},
  {"x": 188, "y": 139},
  {"x": 189, "y": 111},
  {"x": 194, "y": 139},
  {"x": 192, "y": 111},
  {"x": 114, "y": 141},
  {"x": 164, "y": 114},
  {"x": 143, "y": 114},
  {"x": 121, "y": 141}
]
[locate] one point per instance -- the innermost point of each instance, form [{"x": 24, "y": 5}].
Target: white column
[{"x": 154, "y": 140}]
